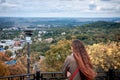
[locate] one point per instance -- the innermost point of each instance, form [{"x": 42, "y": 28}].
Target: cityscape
[
  {"x": 36, "y": 39},
  {"x": 47, "y": 32}
]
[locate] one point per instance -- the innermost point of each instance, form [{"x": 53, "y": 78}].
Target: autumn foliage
[
  {"x": 6, "y": 70},
  {"x": 4, "y": 57},
  {"x": 57, "y": 54},
  {"x": 103, "y": 55}
]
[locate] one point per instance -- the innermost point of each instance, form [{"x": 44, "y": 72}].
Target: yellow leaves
[
  {"x": 118, "y": 63},
  {"x": 102, "y": 66},
  {"x": 105, "y": 55},
  {"x": 101, "y": 60},
  {"x": 109, "y": 52},
  {"x": 115, "y": 67},
  {"x": 102, "y": 55}
]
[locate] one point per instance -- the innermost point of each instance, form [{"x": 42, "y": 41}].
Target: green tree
[
  {"x": 40, "y": 47},
  {"x": 6, "y": 47},
  {"x": 56, "y": 55}
]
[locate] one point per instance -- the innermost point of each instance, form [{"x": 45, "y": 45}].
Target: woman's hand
[{"x": 68, "y": 74}]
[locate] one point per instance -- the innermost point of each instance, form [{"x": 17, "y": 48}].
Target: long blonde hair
[{"x": 83, "y": 60}]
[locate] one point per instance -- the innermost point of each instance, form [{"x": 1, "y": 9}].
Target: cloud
[
  {"x": 59, "y": 7},
  {"x": 71, "y": 0},
  {"x": 7, "y": 5},
  {"x": 92, "y": 7},
  {"x": 105, "y": 0},
  {"x": 110, "y": 7},
  {"x": 2, "y": 1}
]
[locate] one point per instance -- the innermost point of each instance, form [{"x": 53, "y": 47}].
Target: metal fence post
[
  {"x": 28, "y": 60},
  {"x": 38, "y": 75},
  {"x": 110, "y": 74}
]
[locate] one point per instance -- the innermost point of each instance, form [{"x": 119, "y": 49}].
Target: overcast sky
[{"x": 60, "y": 8}]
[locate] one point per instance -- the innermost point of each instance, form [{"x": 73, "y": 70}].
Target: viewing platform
[{"x": 102, "y": 75}]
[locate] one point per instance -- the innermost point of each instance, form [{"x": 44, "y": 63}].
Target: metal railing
[
  {"x": 19, "y": 77},
  {"x": 102, "y": 75},
  {"x": 52, "y": 76}
]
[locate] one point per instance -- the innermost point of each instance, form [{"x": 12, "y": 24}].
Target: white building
[{"x": 49, "y": 40}]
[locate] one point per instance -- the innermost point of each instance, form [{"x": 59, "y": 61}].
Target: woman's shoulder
[{"x": 70, "y": 57}]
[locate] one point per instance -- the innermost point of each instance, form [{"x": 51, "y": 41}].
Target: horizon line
[{"x": 49, "y": 17}]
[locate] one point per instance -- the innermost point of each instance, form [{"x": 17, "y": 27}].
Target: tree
[
  {"x": 6, "y": 47},
  {"x": 3, "y": 69},
  {"x": 9, "y": 53},
  {"x": 56, "y": 55},
  {"x": 40, "y": 47},
  {"x": 105, "y": 56}
]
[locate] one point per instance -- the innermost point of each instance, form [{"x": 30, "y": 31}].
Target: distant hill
[
  {"x": 104, "y": 24},
  {"x": 21, "y": 21}
]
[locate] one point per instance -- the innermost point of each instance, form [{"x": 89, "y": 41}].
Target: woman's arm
[{"x": 65, "y": 68}]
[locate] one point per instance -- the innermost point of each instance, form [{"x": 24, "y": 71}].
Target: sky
[{"x": 59, "y": 8}]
